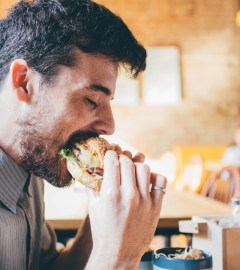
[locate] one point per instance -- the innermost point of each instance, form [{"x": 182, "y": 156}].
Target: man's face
[{"x": 75, "y": 106}]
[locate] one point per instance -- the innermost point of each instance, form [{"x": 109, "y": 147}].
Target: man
[{"x": 59, "y": 61}]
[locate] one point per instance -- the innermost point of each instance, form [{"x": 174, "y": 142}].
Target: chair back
[{"x": 223, "y": 184}]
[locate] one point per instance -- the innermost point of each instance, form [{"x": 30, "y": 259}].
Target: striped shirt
[{"x": 26, "y": 240}]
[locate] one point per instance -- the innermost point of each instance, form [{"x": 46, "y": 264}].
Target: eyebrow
[{"x": 98, "y": 87}]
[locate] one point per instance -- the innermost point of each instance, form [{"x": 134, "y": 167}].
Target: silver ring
[{"x": 163, "y": 190}]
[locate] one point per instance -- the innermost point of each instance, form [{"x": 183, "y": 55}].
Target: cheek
[
  {"x": 61, "y": 124},
  {"x": 64, "y": 126},
  {"x": 80, "y": 116}
]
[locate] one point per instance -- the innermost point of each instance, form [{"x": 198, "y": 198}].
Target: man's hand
[
  {"x": 125, "y": 213},
  {"x": 138, "y": 157}
]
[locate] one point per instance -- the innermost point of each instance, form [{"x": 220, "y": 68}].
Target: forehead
[
  {"x": 92, "y": 69},
  {"x": 88, "y": 72}
]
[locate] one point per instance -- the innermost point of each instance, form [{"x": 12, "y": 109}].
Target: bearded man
[{"x": 59, "y": 61}]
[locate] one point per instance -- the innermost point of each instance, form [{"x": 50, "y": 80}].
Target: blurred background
[
  {"x": 183, "y": 112},
  {"x": 206, "y": 109}
]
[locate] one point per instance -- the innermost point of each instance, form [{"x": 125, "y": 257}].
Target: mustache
[{"x": 78, "y": 136}]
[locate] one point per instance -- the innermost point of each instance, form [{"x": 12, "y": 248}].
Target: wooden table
[{"x": 177, "y": 205}]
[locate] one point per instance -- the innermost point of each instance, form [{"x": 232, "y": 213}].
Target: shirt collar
[{"x": 12, "y": 181}]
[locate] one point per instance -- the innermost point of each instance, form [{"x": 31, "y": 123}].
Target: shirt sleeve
[{"x": 49, "y": 251}]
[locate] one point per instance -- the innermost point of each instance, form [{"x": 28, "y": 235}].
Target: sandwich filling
[{"x": 85, "y": 159}]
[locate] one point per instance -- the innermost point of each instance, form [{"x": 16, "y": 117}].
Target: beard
[
  {"x": 37, "y": 159},
  {"x": 40, "y": 154}
]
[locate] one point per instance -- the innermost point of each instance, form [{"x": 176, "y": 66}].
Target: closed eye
[{"x": 92, "y": 103}]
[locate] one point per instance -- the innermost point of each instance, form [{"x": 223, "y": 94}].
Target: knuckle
[
  {"x": 162, "y": 179},
  {"x": 158, "y": 179},
  {"x": 117, "y": 148},
  {"x": 111, "y": 157},
  {"x": 126, "y": 160},
  {"x": 110, "y": 154},
  {"x": 146, "y": 202},
  {"x": 112, "y": 196},
  {"x": 132, "y": 195},
  {"x": 142, "y": 167}
]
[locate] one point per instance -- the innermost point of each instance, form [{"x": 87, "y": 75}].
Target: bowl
[
  {"x": 160, "y": 262},
  {"x": 146, "y": 262}
]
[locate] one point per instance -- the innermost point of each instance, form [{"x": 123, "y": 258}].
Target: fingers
[
  {"x": 121, "y": 169},
  {"x": 143, "y": 179},
  {"x": 117, "y": 148},
  {"x": 128, "y": 154},
  {"x": 128, "y": 178},
  {"x": 158, "y": 181},
  {"x": 111, "y": 172},
  {"x": 139, "y": 157}
]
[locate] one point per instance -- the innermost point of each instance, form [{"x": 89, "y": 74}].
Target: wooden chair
[
  {"x": 209, "y": 153},
  {"x": 223, "y": 184}
]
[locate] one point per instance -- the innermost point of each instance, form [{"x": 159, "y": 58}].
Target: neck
[{"x": 9, "y": 142}]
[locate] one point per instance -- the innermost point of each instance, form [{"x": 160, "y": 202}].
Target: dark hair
[{"x": 46, "y": 32}]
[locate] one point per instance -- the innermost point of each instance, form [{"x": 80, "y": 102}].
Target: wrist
[{"x": 102, "y": 260}]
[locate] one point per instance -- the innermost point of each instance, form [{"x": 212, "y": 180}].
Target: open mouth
[{"x": 79, "y": 136}]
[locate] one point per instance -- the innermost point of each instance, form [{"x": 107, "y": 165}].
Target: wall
[
  {"x": 209, "y": 40},
  {"x": 4, "y": 6}
]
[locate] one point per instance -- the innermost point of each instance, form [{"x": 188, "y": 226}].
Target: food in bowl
[{"x": 187, "y": 254}]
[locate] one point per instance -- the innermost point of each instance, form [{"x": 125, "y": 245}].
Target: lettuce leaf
[{"x": 69, "y": 155}]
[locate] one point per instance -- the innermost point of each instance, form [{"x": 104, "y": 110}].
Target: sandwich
[{"x": 85, "y": 161}]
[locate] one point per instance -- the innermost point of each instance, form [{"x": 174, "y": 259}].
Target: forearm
[
  {"x": 120, "y": 215},
  {"x": 76, "y": 255},
  {"x": 102, "y": 262},
  {"x": 80, "y": 255},
  {"x": 74, "y": 259}
]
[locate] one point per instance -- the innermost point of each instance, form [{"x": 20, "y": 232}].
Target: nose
[{"x": 105, "y": 124}]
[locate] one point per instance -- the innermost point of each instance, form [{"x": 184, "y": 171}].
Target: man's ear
[{"x": 19, "y": 75}]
